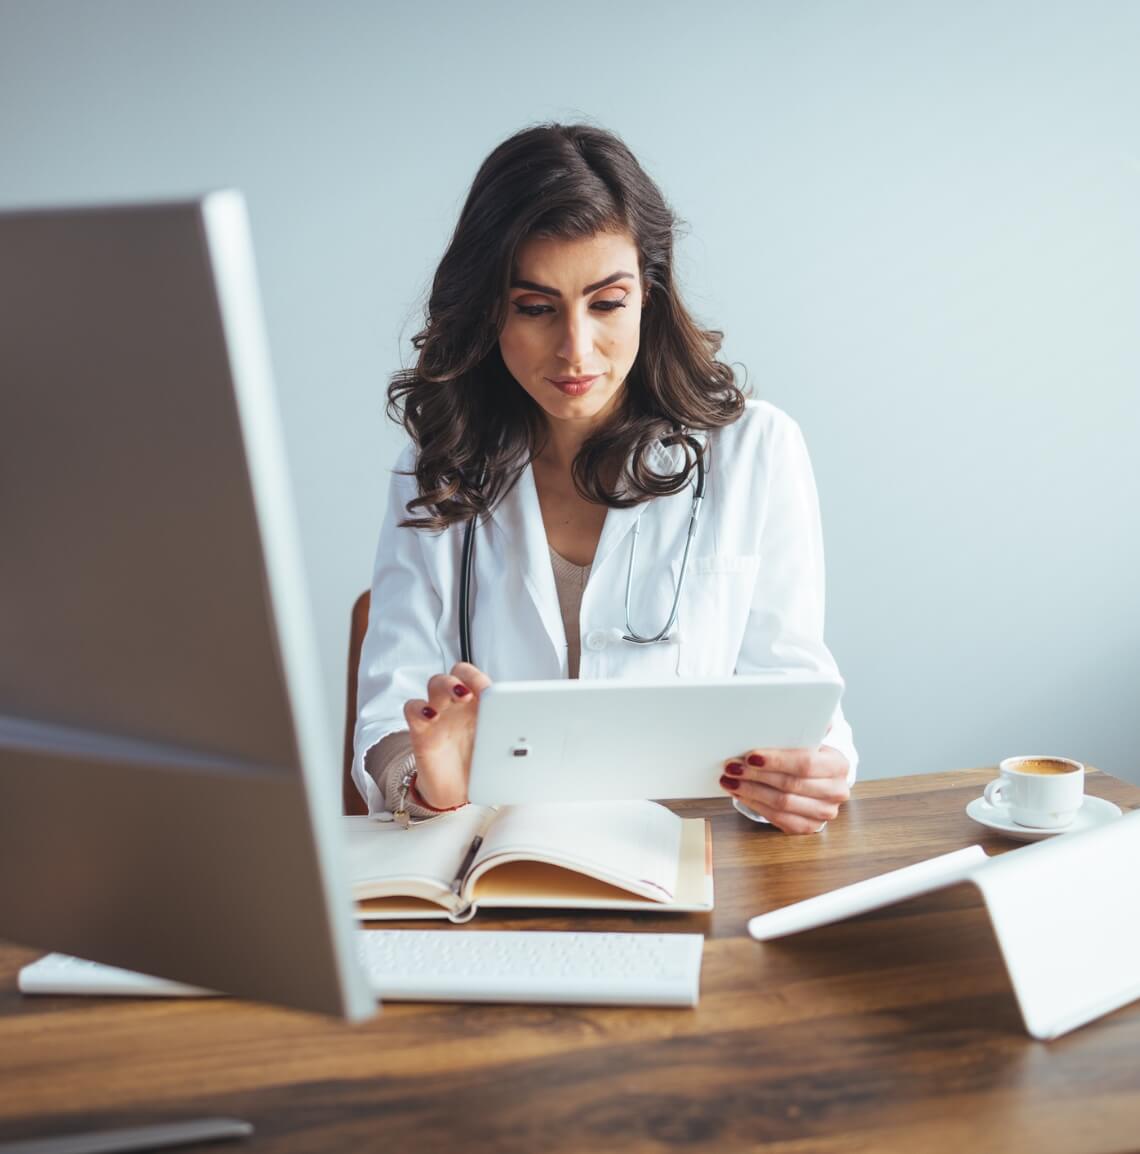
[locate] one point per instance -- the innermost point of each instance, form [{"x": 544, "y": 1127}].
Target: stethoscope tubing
[
  {"x": 465, "y": 592},
  {"x": 630, "y": 634}
]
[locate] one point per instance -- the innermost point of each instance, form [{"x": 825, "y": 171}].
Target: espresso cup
[{"x": 1041, "y": 792}]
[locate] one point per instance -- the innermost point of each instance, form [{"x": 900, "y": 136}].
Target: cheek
[
  {"x": 519, "y": 344},
  {"x": 626, "y": 344},
  {"x": 512, "y": 350}
]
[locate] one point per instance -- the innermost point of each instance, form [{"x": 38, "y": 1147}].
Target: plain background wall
[{"x": 918, "y": 225}]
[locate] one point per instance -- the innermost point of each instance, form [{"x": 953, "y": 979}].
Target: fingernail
[
  {"x": 755, "y": 759},
  {"x": 730, "y": 783},
  {"x": 736, "y": 768},
  {"x": 461, "y": 691},
  {"x": 428, "y": 712}
]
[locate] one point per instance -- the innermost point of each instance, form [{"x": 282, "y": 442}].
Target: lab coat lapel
[
  {"x": 619, "y": 522},
  {"x": 615, "y": 529}
]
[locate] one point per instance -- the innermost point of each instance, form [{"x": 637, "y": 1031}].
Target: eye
[{"x": 538, "y": 310}]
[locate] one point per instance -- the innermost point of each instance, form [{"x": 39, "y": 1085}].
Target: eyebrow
[{"x": 553, "y": 292}]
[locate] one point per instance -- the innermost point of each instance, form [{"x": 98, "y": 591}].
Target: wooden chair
[{"x": 353, "y": 802}]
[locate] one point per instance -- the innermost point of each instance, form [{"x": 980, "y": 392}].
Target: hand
[
  {"x": 442, "y": 730},
  {"x": 798, "y": 790}
]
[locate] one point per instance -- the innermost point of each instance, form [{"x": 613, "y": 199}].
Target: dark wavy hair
[{"x": 475, "y": 428}]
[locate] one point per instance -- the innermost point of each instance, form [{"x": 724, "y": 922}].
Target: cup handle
[{"x": 994, "y": 791}]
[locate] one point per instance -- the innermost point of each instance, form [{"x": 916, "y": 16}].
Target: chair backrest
[{"x": 353, "y": 802}]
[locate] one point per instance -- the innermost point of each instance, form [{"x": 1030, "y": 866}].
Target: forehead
[{"x": 573, "y": 263}]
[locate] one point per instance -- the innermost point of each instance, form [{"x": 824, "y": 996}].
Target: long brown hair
[{"x": 475, "y": 428}]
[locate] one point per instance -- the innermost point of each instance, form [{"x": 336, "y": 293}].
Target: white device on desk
[
  {"x": 169, "y": 785},
  {"x": 624, "y": 740},
  {"x": 1071, "y": 946},
  {"x": 617, "y": 969}
]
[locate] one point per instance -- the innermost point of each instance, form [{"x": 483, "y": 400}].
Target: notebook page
[
  {"x": 631, "y": 843},
  {"x": 429, "y": 851}
]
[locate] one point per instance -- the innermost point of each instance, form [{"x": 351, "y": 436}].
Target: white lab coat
[{"x": 753, "y": 599}]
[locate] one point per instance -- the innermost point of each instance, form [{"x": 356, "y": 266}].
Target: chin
[{"x": 589, "y": 404}]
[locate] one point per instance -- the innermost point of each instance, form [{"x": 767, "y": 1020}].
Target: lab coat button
[{"x": 597, "y": 639}]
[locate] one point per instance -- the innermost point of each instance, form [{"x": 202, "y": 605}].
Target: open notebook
[{"x": 625, "y": 855}]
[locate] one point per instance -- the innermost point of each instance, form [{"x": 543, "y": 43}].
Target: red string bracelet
[{"x": 420, "y": 800}]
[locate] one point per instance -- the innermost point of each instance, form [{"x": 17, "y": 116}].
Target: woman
[{"x": 562, "y": 397}]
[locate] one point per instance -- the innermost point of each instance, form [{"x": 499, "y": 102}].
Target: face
[{"x": 574, "y": 312}]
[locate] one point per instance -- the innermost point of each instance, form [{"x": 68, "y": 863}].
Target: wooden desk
[{"x": 897, "y": 1031}]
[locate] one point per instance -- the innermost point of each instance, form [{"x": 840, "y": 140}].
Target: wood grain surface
[{"x": 894, "y": 1031}]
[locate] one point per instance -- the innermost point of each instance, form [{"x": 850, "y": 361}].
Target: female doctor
[{"x": 564, "y": 412}]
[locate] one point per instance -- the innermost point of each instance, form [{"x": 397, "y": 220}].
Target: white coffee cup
[{"x": 1041, "y": 791}]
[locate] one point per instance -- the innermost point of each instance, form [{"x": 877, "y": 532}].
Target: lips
[{"x": 572, "y": 386}]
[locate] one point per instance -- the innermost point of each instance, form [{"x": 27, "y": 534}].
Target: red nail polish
[
  {"x": 730, "y": 783},
  {"x": 755, "y": 759},
  {"x": 735, "y": 768},
  {"x": 428, "y": 712},
  {"x": 461, "y": 691}
]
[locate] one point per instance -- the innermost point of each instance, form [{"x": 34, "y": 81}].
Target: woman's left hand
[{"x": 798, "y": 790}]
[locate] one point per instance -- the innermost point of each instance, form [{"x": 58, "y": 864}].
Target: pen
[{"x": 465, "y": 865}]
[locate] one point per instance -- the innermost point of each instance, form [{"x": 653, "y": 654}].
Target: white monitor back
[{"x": 169, "y": 792}]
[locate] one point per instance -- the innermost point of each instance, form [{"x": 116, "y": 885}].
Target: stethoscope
[{"x": 630, "y": 633}]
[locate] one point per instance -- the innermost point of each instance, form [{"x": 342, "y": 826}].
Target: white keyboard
[
  {"x": 63, "y": 974},
  {"x": 520, "y": 966},
  {"x": 614, "y": 969}
]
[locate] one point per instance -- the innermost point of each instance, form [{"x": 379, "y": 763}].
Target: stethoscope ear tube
[
  {"x": 465, "y": 566},
  {"x": 465, "y": 593}
]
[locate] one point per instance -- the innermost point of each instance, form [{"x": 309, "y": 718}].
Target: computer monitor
[{"x": 168, "y": 787}]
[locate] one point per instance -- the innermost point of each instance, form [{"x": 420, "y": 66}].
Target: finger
[
  {"x": 416, "y": 714},
  {"x": 779, "y": 801},
  {"x": 833, "y": 789},
  {"x": 788, "y": 822},
  {"x": 446, "y": 691},
  {"x": 756, "y": 795},
  {"x": 471, "y": 676},
  {"x": 823, "y": 788},
  {"x": 822, "y": 762}
]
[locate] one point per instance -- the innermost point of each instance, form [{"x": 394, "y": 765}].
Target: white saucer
[{"x": 1094, "y": 811}]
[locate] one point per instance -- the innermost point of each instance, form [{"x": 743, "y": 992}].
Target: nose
[{"x": 576, "y": 341}]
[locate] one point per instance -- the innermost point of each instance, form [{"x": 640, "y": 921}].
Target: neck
[
  {"x": 564, "y": 440},
  {"x": 562, "y": 446}
]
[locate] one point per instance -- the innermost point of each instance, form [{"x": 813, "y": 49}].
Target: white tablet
[{"x": 621, "y": 740}]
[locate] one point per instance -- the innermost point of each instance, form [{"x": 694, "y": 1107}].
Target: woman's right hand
[{"x": 442, "y": 729}]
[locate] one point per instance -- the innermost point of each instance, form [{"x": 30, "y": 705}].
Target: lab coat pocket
[{"x": 713, "y": 614}]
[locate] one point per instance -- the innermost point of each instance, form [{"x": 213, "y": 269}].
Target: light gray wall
[{"x": 918, "y": 225}]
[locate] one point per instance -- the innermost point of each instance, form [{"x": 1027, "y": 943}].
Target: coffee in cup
[
  {"x": 1045, "y": 765},
  {"x": 1041, "y": 792}
]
